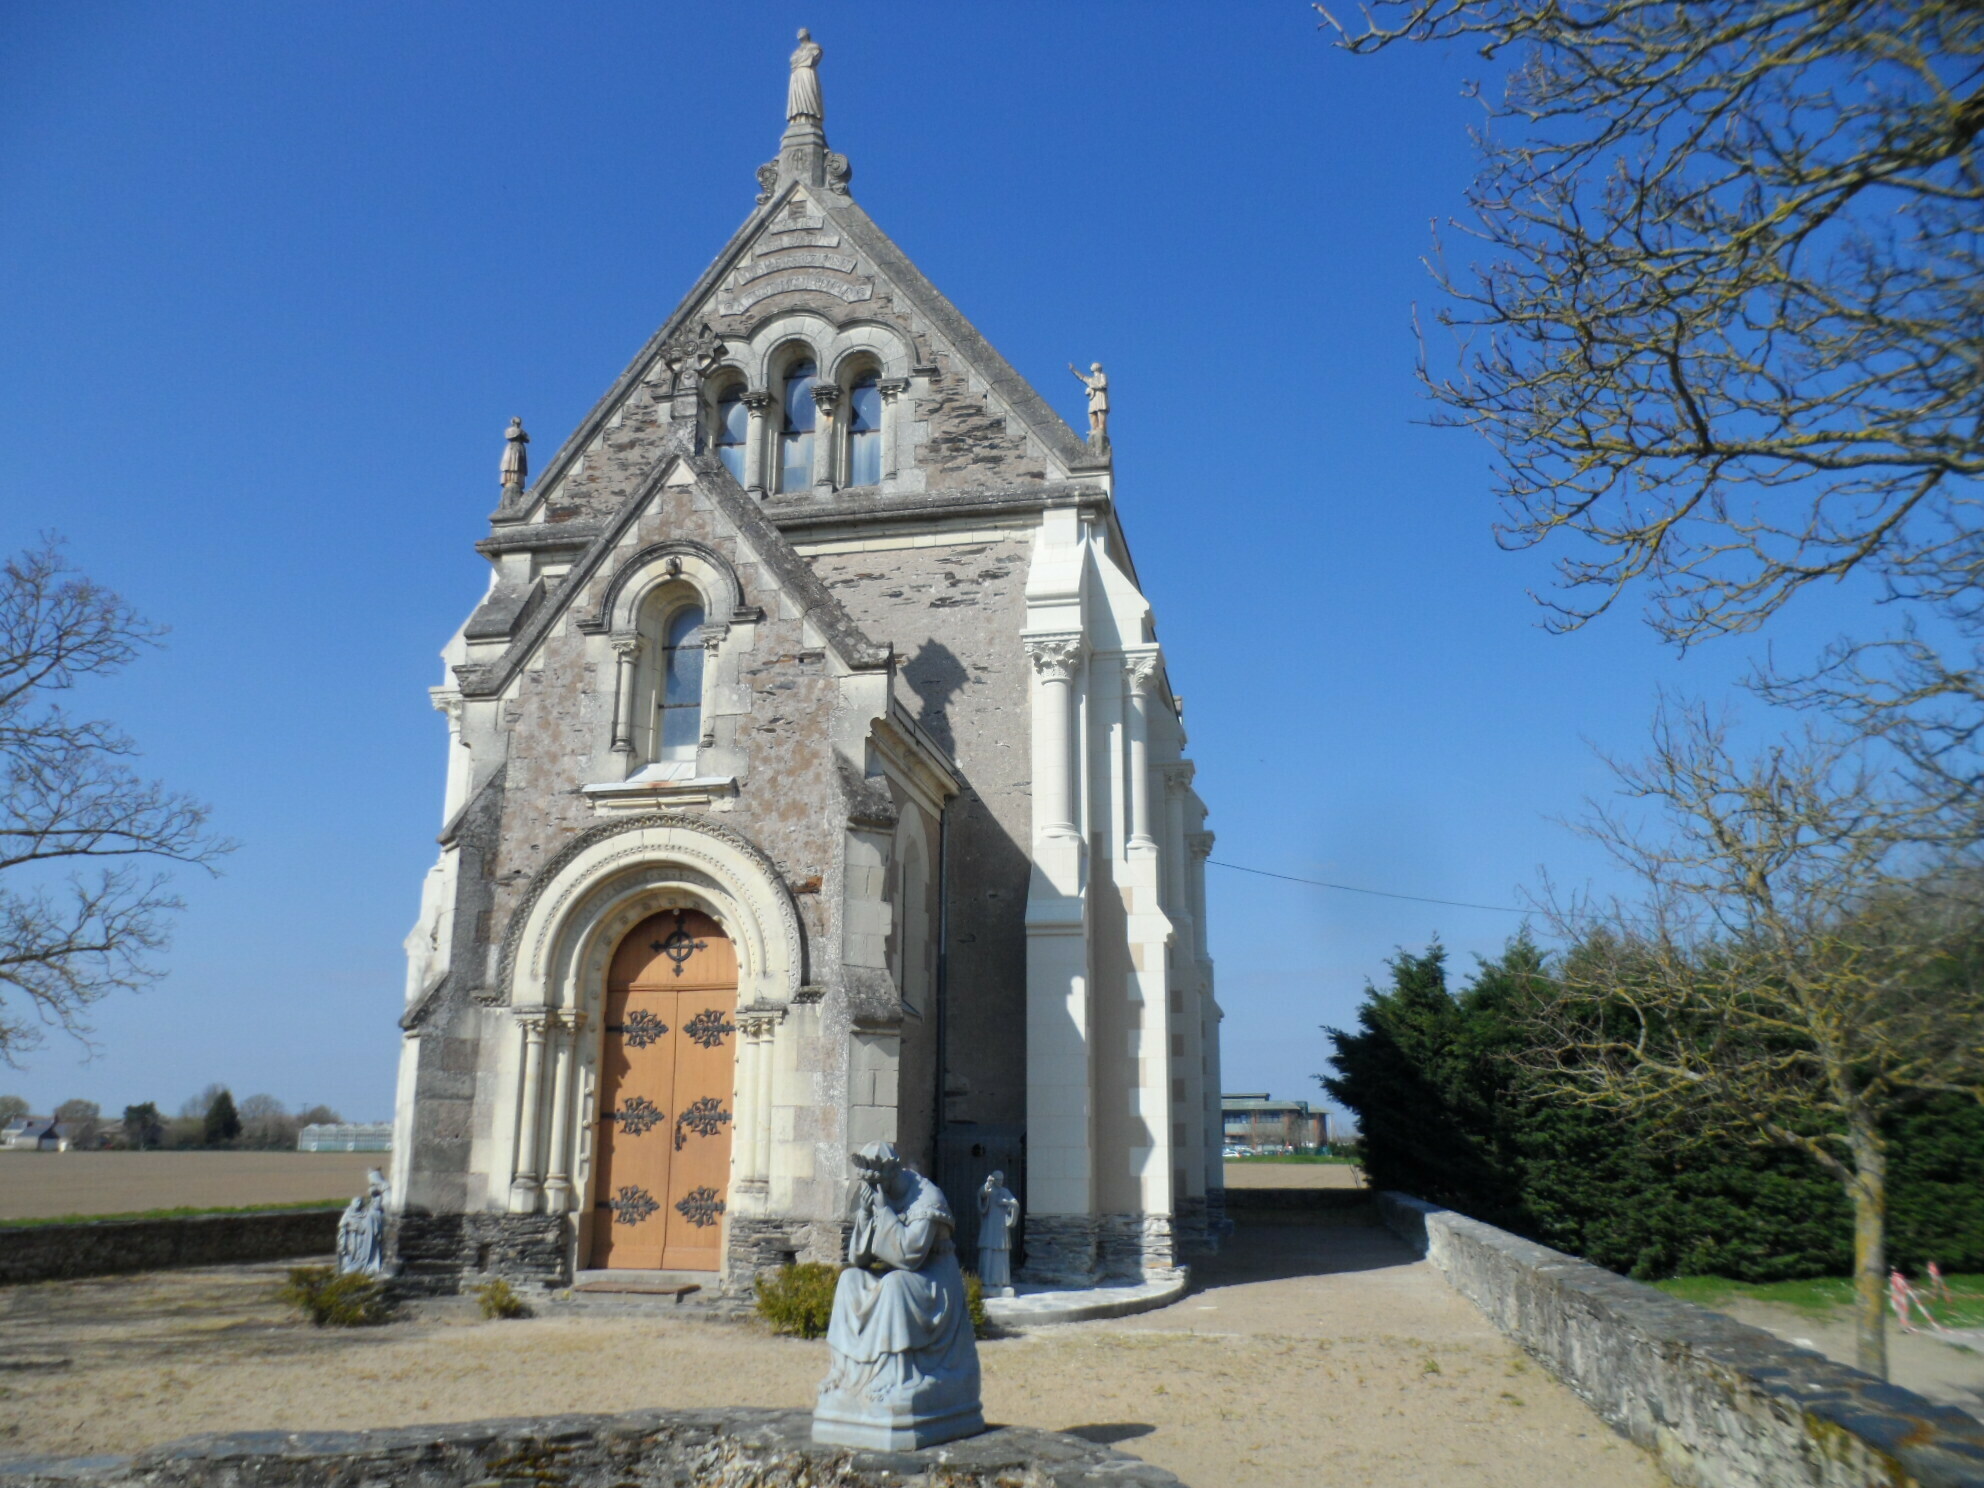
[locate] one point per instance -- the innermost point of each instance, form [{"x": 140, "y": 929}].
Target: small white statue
[
  {"x": 905, "y": 1361},
  {"x": 998, "y": 1212},
  {"x": 362, "y": 1229},
  {"x": 351, "y": 1236},
  {"x": 1097, "y": 383},
  {"x": 802, "y": 94}
]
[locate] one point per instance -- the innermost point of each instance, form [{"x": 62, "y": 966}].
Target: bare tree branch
[{"x": 79, "y": 917}]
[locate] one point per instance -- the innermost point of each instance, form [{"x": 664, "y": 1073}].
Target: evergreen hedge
[{"x": 1448, "y": 1115}]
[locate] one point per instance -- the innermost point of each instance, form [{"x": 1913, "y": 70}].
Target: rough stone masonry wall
[
  {"x": 1719, "y": 1404},
  {"x": 113, "y": 1247},
  {"x": 643, "y": 1449}
]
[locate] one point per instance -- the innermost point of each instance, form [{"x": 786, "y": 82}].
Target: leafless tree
[
  {"x": 82, "y": 1122},
  {"x": 80, "y": 913},
  {"x": 1725, "y": 329},
  {"x": 1795, "y": 966},
  {"x": 266, "y": 1122}
]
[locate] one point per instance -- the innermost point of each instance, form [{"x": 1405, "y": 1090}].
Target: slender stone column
[
  {"x": 755, "y": 1096},
  {"x": 524, "y": 1188},
  {"x": 891, "y": 389},
  {"x": 826, "y": 438},
  {"x": 627, "y": 650},
  {"x": 758, "y": 401},
  {"x": 562, "y": 1034},
  {"x": 1140, "y": 671},
  {"x": 1055, "y": 659}
]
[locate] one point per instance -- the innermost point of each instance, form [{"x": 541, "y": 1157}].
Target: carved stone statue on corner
[
  {"x": 905, "y": 1363},
  {"x": 998, "y": 1212},
  {"x": 516, "y": 464},
  {"x": 802, "y": 94},
  {"x": 1097, "y": 383}
]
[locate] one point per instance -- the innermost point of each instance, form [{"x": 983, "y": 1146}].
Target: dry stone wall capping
[
  {"x": 59, "y": 1252},
  {"x": 1721, "y": 1405},
  {"x": 641, "y": 1449}
]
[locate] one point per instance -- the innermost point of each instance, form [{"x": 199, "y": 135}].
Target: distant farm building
[
  {"x": 346, "y": 1136},
  {"x": 1258, "y": 1120}
]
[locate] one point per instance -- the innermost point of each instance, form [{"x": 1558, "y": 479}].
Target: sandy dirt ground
[
  {"x": 1916, "y": 1361},
  {"x": 40, "y": 1185},
  {"x": 1293, "y": 1175},
  {"x": 1306, "y": 1357}
]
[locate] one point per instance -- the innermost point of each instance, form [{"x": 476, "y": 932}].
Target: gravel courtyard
[{"x": 1307, "y": 1356}]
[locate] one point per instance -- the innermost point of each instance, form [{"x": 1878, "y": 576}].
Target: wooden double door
[{"x": 666, "y": 1103}]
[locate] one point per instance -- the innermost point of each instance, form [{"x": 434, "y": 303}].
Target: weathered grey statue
[
  {"x": 998, "y": 1212},
  {"x": 516, "y": 464},
  {"x": 1097, "y": 383},
  {"x": 802, "y": 94},
  {"x": 905, "y": 1362},
  {"x": 362, "y": 1230}
]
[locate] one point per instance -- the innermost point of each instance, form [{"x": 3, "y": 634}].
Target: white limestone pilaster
[
  {"x": 757, "y": 403},
  {"x": 1140, "y": 673},
  {"x": 627, "y": 655},
  {"x": 562, "y": 1052},
  {"x": 526, "y": 1186}
]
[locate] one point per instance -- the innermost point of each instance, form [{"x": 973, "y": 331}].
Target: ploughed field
[{"x": 46, "y": 1185}]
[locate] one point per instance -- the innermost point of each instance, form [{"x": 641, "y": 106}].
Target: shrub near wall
[{"x": 1446, "y": 1113}]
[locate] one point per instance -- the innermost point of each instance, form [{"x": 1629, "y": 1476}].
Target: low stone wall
[
  {"x": 1721, "y": 1405},
  {"x": 439, "y": 1255},
  {"x": 110, "y": 1247},
  {"x": 642, "y": 1449}
]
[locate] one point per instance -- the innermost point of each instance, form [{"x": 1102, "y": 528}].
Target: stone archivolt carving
[{"x": 1055, "y": 658}]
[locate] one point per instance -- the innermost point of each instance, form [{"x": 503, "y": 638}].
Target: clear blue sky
[{"x": 278, "y": 275}]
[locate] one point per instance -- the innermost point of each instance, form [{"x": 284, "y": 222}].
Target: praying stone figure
[
  {"x": 905, "y": 1363},
  {"x": 362, "y": 1231},
  {"x": 1097, "y": 383},
  {"x": 802, "y": 94},
  {"x": 998, "y": 1212},
  {"x": 516, "y": 464}
]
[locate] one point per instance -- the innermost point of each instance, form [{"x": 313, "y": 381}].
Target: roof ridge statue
[{"x": 802, "y": 95}]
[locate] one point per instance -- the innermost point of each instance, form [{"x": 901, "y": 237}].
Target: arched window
[
  {"x": 864, "y": 431},
  {"x": 795, "y": 440},
  {"x": 733, "y": 423},
  {"x": 680, "y": 697}
]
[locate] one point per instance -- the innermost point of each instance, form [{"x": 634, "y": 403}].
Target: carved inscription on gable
[{"x": 736, "y": 302}]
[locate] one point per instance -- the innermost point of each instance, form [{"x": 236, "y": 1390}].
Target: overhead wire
[{"x": 1353, "y": 889}]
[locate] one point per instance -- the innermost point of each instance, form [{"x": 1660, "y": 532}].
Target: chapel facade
[{"x": 814, "y": 778}]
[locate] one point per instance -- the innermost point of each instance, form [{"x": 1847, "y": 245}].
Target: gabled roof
[
  {"x": 791, "y": 572},
  {"x": 893, "y": 267}
]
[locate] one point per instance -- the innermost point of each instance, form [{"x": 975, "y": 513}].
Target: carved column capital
[
  {"x": 892, "y": 387},
  {"x": 826, "y": 398},
  {"x": 1055, "y": 658},
  {"x": 1200, "y": 844},
  {"x": 1140, "y": 670},
  {"x": 757, "y": 399},
  {"x": 1178, "y": 774},
  {"x": 627, "y": 647}
]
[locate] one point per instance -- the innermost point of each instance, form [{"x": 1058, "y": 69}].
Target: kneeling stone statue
[{"x": 905, "y": 1362}]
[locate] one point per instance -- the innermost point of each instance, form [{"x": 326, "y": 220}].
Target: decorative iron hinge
[
  {"x": 637, "y": 1114},
  {"x": 641, "y": 1028},
  {"x": 700, "y": 1207},
  {"x": 631, "y": 1205},
  {"x": 709, "y": 1028},
  {"x": 705, "y": 1117}
]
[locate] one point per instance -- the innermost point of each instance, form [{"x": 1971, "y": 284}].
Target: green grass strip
[
  {"x": 71, "y": 1219},
  {"x": 1295, "y": 1157},
  {"x": 1825, "y": 1294}
]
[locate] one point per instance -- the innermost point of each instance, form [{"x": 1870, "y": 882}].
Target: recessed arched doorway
[{"x": 667, "y": 1073}]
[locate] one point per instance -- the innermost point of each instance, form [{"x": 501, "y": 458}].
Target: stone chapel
[{"x": 814, "y": 778}]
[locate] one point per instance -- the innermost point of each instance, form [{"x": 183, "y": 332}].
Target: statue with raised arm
[
  {"x": 905, "y": 1362},
  {"x": 998, "y": 1212},
  {"x": 802, "y": 95},
  {"x": 516, "y": 464},
  {"x": 1097, "y": 383}
]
